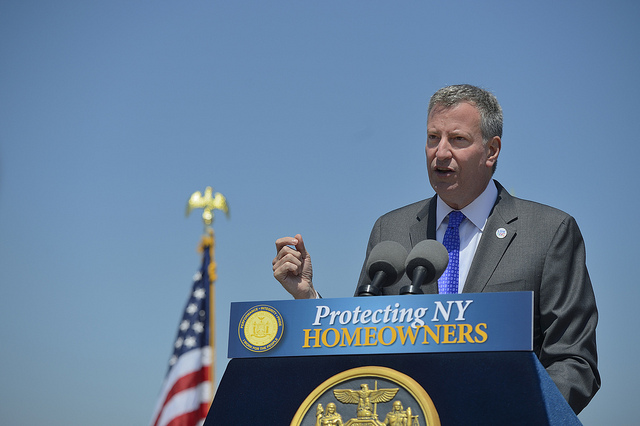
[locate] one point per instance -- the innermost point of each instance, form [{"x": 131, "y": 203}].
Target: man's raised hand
[{"x": 292, "y": 267}]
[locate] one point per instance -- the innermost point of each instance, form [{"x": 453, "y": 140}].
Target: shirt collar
[{"x": 477, "y": 212}]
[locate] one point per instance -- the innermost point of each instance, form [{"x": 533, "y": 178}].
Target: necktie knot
[{"x": 455, "y": 218}]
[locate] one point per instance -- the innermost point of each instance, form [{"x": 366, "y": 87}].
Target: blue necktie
[{"x": 448, "y": 283}]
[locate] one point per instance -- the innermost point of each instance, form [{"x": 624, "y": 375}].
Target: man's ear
[{"x": 493, "y": 150}]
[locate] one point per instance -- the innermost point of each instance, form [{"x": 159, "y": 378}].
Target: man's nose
[{"x": 443, "y": 151}]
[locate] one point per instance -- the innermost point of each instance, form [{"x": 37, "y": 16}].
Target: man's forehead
[{"x": 443, "y": 108}]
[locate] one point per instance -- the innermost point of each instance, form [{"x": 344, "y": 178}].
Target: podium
[{"x": 406, "y": 360}]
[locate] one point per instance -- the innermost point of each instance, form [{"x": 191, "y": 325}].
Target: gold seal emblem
[
  {"x": 260, "y": 328},
  {"x": 378, "y": 396}
]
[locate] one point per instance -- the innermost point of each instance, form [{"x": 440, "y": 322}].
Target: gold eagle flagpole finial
[{"x": 209, "y": 202}]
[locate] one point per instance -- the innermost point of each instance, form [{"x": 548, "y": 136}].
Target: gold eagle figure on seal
[{"x": 364, "y": 398}]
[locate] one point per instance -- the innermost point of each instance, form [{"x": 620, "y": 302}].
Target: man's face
[{"x": 458, "y": 162}]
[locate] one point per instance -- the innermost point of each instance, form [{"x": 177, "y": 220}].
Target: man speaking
[{"x": 495, "y": 242}]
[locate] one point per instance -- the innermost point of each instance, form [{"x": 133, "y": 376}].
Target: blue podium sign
[{"x": 468, "y": 322}]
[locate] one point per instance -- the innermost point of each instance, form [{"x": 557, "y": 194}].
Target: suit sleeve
[{"x": 568, "y": 318}]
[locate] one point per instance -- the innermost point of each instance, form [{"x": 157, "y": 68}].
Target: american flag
[{"x": 187, "y": 390}]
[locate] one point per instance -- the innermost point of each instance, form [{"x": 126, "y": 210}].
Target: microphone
[
  {"x": 385, "y": 266},
  {"x": 425, "y": 264}
]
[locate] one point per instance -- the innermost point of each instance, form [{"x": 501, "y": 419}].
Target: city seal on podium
[
  {"x": 260, "y": 328},
  {"x": 368, "y": 396}
]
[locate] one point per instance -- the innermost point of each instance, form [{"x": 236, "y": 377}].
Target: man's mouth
[{"x": 443, "y": 170}]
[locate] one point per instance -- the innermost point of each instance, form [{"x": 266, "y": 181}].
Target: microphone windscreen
[
  {"x": 430, "y": 254},
  {"x": 388, "y": 257}
]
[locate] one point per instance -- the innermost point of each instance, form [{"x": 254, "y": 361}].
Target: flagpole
[
  {"x": 212, "y": 335},
  {"x": 192, "y": 365},
  {"x": 212, "y": 310},
  {"x": 210, "y": 202}
]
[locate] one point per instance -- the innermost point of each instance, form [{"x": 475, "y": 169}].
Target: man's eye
[{"x": 459, "y": 140}]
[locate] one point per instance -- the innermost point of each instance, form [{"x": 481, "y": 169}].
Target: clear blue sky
[{"x": 309, "y": 116}]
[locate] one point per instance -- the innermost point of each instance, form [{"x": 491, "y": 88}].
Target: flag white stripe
[
  {"x": 188, "y": 363},
  {"x": 185, "y": 402}
]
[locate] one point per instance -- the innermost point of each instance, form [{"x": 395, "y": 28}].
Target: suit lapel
[
  {"x": 425, "y": 228},
  {"x": 498, "y": 233},
  {"x": 425, "y": 225}
]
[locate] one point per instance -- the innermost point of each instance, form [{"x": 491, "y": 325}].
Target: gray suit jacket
[{"x": 542, "y": 252}]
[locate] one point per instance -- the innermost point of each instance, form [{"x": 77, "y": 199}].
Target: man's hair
[{"x": 487, "y": 104}]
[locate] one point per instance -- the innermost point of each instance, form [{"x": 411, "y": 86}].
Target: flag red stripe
[
  {"x": 190, "y": 380},
  {"x": 185, "y": 382},
  {"x": 190, "y": 419}
]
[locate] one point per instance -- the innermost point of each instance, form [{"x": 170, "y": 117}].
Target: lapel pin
[{"x": 501, "y": 233}]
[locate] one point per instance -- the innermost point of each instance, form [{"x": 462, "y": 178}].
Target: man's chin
[
  {"x": 451, "y": 195},
  {"x": 444, "y": 188}
]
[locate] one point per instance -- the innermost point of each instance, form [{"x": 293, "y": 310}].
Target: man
[{"x": 505, "y": 243}]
